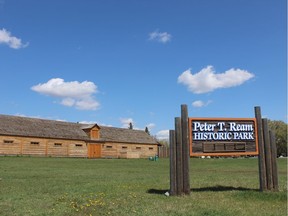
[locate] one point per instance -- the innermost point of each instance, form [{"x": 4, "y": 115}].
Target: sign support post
[
  {"x": 268, "y": 157},
  {"x": 273, "y": 160},
  {"x": 261, "y": 156},
  {"x": 179, "y": 155},
  {"x": 268, "y": 173},
  {"x": 172, "y": 146},
  {"x": 185, "y": 149}
]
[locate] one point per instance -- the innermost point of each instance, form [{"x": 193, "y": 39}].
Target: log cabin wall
[
  {"x": 128, "y": 150},
  {"x": 10, "y": 145}
]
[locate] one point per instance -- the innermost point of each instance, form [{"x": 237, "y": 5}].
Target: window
[
  {"x": 78, "y": 145},
  {"x": 8, "y": 141},
  {"x": 124, "y": 147},
  {"x": 138, "y": 148},
  {"x": 151, "y": 148},
  {"x": 58, "y": 144},
  {"x": 34, "y": 143},
  {"x": 109, "y": 147}
]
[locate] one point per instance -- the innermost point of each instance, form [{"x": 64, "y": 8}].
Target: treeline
[{"x": 280, "y": 130}]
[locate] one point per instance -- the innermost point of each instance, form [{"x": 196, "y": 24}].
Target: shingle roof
[
  {"x": 33, "y": 127},
  {"x": 23, "y": 126},
  {"x": 125, "y": 135}
]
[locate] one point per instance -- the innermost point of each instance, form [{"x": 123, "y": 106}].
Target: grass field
[{"x": 69, "y": 186}]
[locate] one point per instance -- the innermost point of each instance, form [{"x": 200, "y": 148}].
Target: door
[{"x": 94, "y": 151}]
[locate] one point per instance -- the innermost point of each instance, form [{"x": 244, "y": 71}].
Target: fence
[{"x": 163, "y": 151}]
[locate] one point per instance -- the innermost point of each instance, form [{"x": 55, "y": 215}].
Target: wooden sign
[{"x": 223, "y": 136}]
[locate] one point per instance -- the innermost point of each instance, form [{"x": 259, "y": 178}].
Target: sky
[{"x": 114, "y": 62}]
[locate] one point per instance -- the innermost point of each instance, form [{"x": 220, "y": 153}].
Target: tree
[
  {"x": 147, "y": 130},
  {"x": 164, "y": 142},
  {"x": 130, "y": 126},
  {"x": 280, "y": 130}
]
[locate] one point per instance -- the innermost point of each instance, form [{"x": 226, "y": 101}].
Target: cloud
[
  {"x": 11, "y": 41},
  {"x": 207, "y": 80},
  {"x": 199, "y": 103},
  {"x": 87, "y": 104},
  {"x": 162, "y": 37},
  {"x": 73, "y": 94},
  {"x": 163, "y": 134},
  {"x": 150, "y": 126},
  {"x": 126, "y": 121},
  {"x": 95, "y": 122},
  {"x": 40, "y": 117}
]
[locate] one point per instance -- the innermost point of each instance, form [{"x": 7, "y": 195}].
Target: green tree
[
  {"x": 163, "y": 142},
  {"x": 280, "y": 130},
  {"x": 147, "y": 130}
]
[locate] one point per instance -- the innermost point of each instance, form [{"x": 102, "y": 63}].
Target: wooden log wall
[
  {"x": 128, "y": 150},
  {"x": 10, "y": 145},
  {"x": 163, "y": 151}
]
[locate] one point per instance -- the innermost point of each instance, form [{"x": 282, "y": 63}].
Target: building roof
[
  {"x": 125, "y": 135},
  {"x": 33, "y": 127}
]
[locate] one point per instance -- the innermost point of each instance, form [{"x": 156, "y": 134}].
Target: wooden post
[
  {"x": 261, "y": 156},
  {"x": 267, "y": 148},
  {"x": 172, "y": 146},
  {"x": 274, "y": 160},
  {"x": 179, "y": 170},
  {"x": 185, "y": 149},
  {"x": 179, "y": 155}
]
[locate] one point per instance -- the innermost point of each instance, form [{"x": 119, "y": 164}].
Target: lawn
[{"x": 71, "y": 186}]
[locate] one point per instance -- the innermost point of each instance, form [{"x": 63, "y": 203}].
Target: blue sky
[{"x": 114, "y": 62}]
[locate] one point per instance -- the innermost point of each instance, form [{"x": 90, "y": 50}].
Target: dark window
[
  {"x": 108, "y": 146},
  {"x": 151, "y": 148},
  {"x": 78, "y": 145},
  {"x": 124, "y": 147},
  {"x": 138, "y": 148},
  {"x": 8, "y": 141},
  {"x": 58, "y": 144},
  {"x": 34, "y": 143}
]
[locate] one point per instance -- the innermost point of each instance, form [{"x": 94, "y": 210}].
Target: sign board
[{"x": 223, "y": 136}]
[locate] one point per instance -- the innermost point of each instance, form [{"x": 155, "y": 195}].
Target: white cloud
[
  {"x": 79, "y": 95},
  {"x": 95, "y": 122},
  {"x": 163, "y": 134},
  {"x": 207, "y": 80},
  {"x": 40, "y": 117},
  {"x": 199, "y": 103},
  {"x": 150, "y": 126},
  {"x": 162, "y": 37},
  {"x": 11, "y": 41},
  {"x": 88, "y": 122},
  {"x": 126, "y": 121},
  {"x": 87, "y": 104},
  {"x": 68, "y": 102}
]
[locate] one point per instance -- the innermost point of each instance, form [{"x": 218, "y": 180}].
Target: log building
[{"x": 39, "y": 137}]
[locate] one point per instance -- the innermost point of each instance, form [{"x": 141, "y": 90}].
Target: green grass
[{"x": 69, "y": 186}]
